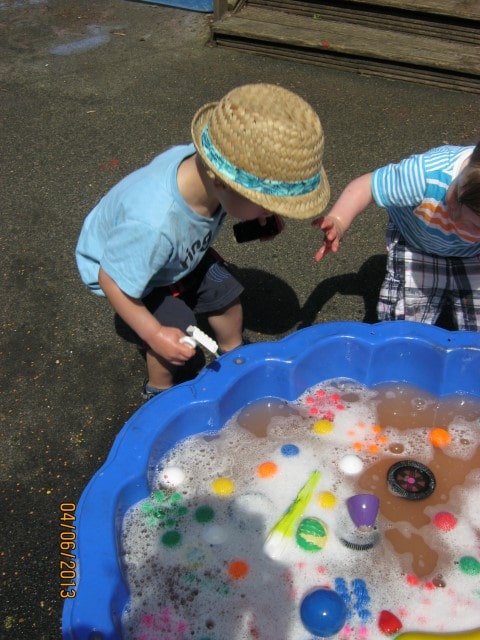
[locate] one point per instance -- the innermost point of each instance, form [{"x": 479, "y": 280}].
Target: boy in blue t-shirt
[
  {"x": 146, "y": 245},
  {"x": 433, "y": 235}
]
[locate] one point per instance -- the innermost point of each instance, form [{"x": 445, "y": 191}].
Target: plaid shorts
[{"x": 418, "y": 285}]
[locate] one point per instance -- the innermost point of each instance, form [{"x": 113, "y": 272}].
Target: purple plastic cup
[{"x": 363, "y": 509}]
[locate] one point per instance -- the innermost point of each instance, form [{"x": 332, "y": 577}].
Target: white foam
[{"x": 183, "y": 589}]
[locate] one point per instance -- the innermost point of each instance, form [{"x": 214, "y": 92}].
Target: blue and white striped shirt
[{"x": 413, "y": 193}]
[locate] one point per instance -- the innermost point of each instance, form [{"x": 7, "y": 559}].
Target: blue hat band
[{"x": 249, "y": 181}]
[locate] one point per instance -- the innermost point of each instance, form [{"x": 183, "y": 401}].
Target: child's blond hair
[{"x": 469, "y": 191}]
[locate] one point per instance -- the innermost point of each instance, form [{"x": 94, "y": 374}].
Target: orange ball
[
  {"x": 440, "y": 438},
  {"x": 267, "y": 469},
  {"x": 238, "y": 569}
]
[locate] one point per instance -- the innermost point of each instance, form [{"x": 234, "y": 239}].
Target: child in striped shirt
[{"x": 433, "y": 234}]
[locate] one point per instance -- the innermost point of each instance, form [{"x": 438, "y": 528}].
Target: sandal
[{"x": 149, "y": 392}]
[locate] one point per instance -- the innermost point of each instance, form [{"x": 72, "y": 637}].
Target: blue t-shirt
[
  {"x": 142, "y": 233},
  {"x": 413, "y": 193}
]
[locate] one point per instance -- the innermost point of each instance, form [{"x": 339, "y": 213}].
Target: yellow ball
[
  {"x": 327, "y": 500},
  {"x": 322, "y": 427},
  {"x": 223, "y": 486}
]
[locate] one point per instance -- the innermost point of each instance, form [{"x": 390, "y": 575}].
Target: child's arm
[
  {"x": 163, "y": 340},
  {"x": 356, "y": 197}
]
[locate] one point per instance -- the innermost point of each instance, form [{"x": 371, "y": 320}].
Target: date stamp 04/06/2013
[{"x": 68, "y": 544}]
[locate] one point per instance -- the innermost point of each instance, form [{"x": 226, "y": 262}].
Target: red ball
[{"x": 445, "y": 520}]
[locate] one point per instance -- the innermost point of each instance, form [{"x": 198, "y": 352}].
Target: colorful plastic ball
[
  {"x": 327, "y": 500},
  {"x": 223, "y": 486},
  {"x": 350, "y": 464},
  {"x": 171, "y": 476},
  {"x": 171, "y": 538},
  {"x": 238, "y": 569},
  {"x": 323, "y": 612},
  {"x": 289, "y": 450},
  {"x": 322, "y": 427},
  {"x": 445, "y": 521},
  {"x": 469, "y": 565},
  {"x": 267, "y": 469},
  {"x": 440, "y": 438},
  {"x": 204, "y": 513},
  {"x": 311, "y": 534}
]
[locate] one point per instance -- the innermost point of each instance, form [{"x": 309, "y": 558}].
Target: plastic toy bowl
[{"x": 438, "y": 361}]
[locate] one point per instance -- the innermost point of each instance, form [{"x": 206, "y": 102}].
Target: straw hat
[{"x": 266, "y": 143}]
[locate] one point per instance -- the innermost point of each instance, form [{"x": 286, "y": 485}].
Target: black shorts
[{"x": 207, "y": 290}]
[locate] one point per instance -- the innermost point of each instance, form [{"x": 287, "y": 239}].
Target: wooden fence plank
[{"x": 261, "y": 24}]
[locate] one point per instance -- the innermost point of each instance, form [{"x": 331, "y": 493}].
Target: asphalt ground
[{"x": 90, "y": 91}]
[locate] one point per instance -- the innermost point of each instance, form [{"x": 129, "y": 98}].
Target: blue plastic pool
[{"x": 440, "y": 362}]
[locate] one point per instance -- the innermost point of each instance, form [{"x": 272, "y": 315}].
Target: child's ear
[
  {"x": 208, "y": 172},
  {"x": 218, "y": 184}
]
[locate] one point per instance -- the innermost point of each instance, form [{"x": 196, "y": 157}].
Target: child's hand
[
  {"x": 166, "y": 343},
  {"x": 333, "y": 231}
]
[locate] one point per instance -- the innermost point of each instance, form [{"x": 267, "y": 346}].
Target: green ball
[
  {"x": 171, "y": 538},
  {"x": 311, "y": 534},
  {"x": 204, "y": 514},
  {"x": 469, "y": 565}
]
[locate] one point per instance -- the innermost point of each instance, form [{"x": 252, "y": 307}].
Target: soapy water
[{"x": 194, "y": 552}]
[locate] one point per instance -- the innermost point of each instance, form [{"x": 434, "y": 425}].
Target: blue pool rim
[{"x": 439, "y": 361}]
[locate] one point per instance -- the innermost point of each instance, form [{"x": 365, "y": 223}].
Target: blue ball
[
  {"x": 290, "y": 450},
  {"x": 323, "y": 612}
]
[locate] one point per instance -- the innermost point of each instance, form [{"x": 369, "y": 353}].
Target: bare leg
[
  {"x": 160, "y": 371},
  {"x": 228, "y": 326}
]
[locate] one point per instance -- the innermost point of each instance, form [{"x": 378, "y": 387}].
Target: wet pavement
[{"x": 89, "y": 91}]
